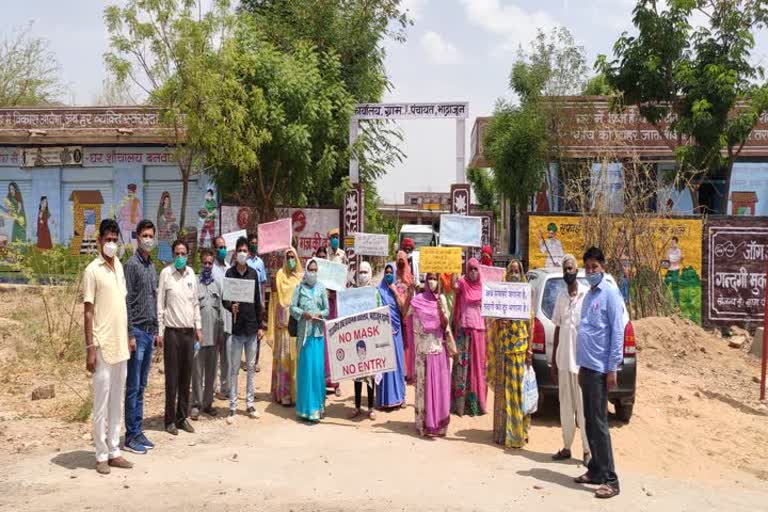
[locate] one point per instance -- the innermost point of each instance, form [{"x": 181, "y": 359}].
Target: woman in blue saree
[
  {"x": 309, "y": 308},
  {"x": 390, "y": 392}
]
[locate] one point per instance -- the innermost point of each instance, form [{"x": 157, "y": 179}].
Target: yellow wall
[{"x": 569, "y": 232}]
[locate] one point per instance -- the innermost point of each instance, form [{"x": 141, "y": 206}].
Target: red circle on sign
[{"x": 340, "y": 354}]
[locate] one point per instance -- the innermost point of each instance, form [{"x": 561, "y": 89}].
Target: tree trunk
[
  {"x": 693, "y": 188},
  {"x": 184, "y": 168},
  {"x": 727, "y": 190}
]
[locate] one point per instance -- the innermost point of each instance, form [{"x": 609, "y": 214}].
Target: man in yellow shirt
[{"x": 107, "y": 345}]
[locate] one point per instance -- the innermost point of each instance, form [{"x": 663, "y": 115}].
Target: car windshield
[{"x": 551, "y": 290}]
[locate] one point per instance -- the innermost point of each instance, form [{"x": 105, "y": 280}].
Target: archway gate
[{"x": 354, "y": 207}]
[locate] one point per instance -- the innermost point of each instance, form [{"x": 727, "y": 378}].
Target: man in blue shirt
[
  {"x": 599, "y": 352},
  {"x": 257, "y": 264}
]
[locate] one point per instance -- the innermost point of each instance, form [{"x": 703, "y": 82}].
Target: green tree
[
  {"x": 697, "y": 86},
  {"x": 355, "y": 31},
  {"x": 171, "y": 50},
  {"x": 276, "y": 135},
  {"x": 29, "y": 71},
  {"x": 486, "y": 190},
  {"x": 523, "y": 138}
]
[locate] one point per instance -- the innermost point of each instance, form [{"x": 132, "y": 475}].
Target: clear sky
[{"x": 457, "y": 50}]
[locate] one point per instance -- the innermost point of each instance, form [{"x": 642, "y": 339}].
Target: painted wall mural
[
  {"x": 167, "y": 227},
  {"x": 677, "y": 244},
  {"x": 13, "y": 215}
]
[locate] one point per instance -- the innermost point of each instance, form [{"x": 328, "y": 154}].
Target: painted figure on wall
[
  {"x": 208, "y": 219},
  {"x": 551, "y": 247},
  {"x": 43, "y": 231},
  {"x": 166, "y": 227},
  {"x": 129, "y": 216},
  {"x": 13, "y": 210}
]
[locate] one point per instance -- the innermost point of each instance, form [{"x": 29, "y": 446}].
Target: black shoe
[
  {"x": 211, "y": 411},
  {"x": 186, "y": 427},
  {"x": 171, "y": 429}
]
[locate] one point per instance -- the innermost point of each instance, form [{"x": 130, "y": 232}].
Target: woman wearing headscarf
[
  {"x": 486, "y": 256},
  {"x": 433, "y": 373},
  {"x": 405, "y": 286},
  {"x": 468, "y": 387},
  {"x": 390, "y": 392},
  {"x": 310, "y": 308},
  {"x": 284, "y": 347},
  {"x": 364, "y": 276},
  {"x": 508, "y": 356}
]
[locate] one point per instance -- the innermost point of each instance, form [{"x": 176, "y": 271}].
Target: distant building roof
[{"x": 83, "y": 125}]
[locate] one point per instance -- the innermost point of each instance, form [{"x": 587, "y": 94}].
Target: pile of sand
[{"x": 678, "y": 345}]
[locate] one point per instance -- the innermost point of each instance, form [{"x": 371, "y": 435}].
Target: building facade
[{"x": 62, "y": 170}]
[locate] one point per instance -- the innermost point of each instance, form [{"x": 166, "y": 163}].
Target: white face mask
[
  {"x": 311, "y": 278},
  {"x": 363, "y": 278},
  {"x": 242, "y": 257},
  {"x": 432, "y": 284},
  {"x": 148, "y": 244},
  {"x": 110, "y": 249}
]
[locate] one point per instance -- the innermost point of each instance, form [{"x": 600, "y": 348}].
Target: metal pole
[{"x": 765, "y": 343}]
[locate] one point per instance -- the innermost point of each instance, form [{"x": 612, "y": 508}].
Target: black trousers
[
  {"x": 359, "y": 394},
  {"x": 594, "y": 390},
  {"x": 178, "y": 358}
]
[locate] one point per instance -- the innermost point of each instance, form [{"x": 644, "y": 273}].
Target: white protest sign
[
  {"x": 367, "y": 244},
  {"x": 461, "y": 230},
  {"x": 352, "y": 301},
  {"x": 231, "y": 238},
  {"x": 332, "y": 275},
  {"x": 507, "y": 300},
  {"x": 360, "y": 345},
  {"x": 239, "y": 290}
]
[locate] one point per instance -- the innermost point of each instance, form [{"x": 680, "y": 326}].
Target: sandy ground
[{"x": 696, "y": 442}]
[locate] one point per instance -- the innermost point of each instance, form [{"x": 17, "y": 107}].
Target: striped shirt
[{"x": 141, "y": 282}]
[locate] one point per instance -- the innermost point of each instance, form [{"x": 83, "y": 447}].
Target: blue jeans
[
  {"x": 136, "y": 382},
  {"x": 237, "y": 344}
]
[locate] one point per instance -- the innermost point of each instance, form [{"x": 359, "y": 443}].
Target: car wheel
[{"x": 623, "y": 411}]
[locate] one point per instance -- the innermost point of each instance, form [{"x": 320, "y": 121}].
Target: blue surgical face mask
[
  {"x": 334, "y": 243},
  {"x": 389, "y": 278},
  {"x": 222, "y": 254},
  {"x": 180, "y": 262},
  {"x": 594, "y": 279}
]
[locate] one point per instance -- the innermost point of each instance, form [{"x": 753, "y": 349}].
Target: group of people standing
[{"x": 443, "y": 346}]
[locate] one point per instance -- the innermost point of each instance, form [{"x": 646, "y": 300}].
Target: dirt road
[
  {"x": 276, "y": 463},
  {"x": 698, "y": 441}
]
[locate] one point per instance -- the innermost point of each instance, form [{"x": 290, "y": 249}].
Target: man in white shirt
[
  {"x": 179, "y": 325},
  {"x": 565, "y": 371},
  {"x": 107, "y": 346}
]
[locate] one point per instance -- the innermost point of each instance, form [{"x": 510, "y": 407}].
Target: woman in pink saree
[{"x": 468, "y": 386}]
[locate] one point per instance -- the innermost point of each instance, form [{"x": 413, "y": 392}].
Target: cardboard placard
[
  {"x": 440, "y": 260},
  {"x": 461, "y": 230},
  {"x": 507, "y": 300},
  {"x": 360, "y": 345},
  {"x": 275, "y": 236}
]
